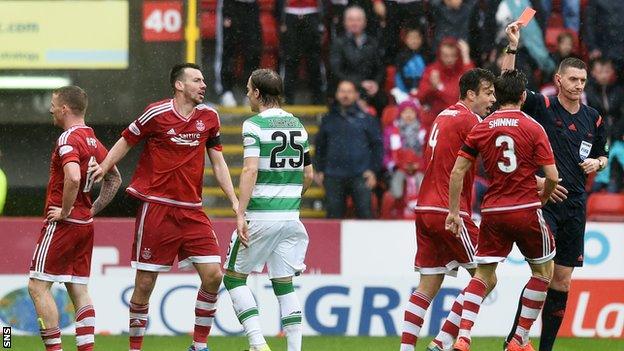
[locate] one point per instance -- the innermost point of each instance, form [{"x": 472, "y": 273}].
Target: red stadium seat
[
  {"x": 269, "y": 30},
  {"x": 208, "y": 25},
  {"x": 208, "y": 5},
  {"x": 605, "y": 207},
  {"x": 388, "y": 115}
]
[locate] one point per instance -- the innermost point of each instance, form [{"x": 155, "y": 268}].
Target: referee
[{"x": 577, "y": 136}]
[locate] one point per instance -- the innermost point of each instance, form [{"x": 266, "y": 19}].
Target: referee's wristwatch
[{"x": 601, "y": 164}]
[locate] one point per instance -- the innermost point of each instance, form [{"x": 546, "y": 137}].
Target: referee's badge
[{"x": 584, "y": 150}]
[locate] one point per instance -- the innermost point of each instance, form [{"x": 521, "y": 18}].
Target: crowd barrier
[{"x": 359, "y": 277}]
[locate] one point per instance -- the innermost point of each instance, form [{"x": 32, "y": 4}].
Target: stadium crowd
[{"x": 405, "y": 58}]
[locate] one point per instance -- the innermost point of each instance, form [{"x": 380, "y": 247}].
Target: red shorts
[
  {"x": 526, "y": 228},
  {"x": 163, "y": 232},
  {"x": 63, "y": 253},
  {"x": 439, "y": 251}
]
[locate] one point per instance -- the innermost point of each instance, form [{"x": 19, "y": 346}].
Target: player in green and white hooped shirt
[{"x": 277, "y": 170}]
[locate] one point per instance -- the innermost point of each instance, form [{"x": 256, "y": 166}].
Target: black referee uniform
[{"x": 574, "y": 137}]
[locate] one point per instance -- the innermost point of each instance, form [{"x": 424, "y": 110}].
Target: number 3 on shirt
[{"x": 508, "y": 153}]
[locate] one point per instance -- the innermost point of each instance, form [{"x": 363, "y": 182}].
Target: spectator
[
  {"x": 335, "y": 16},
  {"x": 571, "y": 11},
  {"x": 565, "y": 48},
  {"x": 607, "y": 96},
  {"x": 603, "y": 30},
  {"x": 356, "y": 56},
  {"x": 403, "y": 144},
  {"x": 439, "y": 86},
  {"x": 239, "y": 34},
  {"x": 404, "y": 132},
  {"x": 451, "y": 19},
  {"x": 301, "y": 38},
  {"x": 347, "y": 127},
  {"x": 3, "y": 187},
  {"x": 532, "y": 39},
  {"x": 398, "y": 15},
  {"x": 410, "y": 65}
]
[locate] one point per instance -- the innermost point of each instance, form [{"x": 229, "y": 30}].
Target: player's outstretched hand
[
  {"x": 590, "y": 165},
  {"x": 56, "y": 214},
  {"x": 242, "y": 230},
  {"x": 453, "y": 223}
]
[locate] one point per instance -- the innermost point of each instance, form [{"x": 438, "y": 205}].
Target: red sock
[
  {"x": 51, "y": 339},
  {"x": 138, "y": 323},
  {"x": 85, "y": 328},
  {"x": 413, "y": 318},
  {"x": 532, "y": 301},
  {"x": 473, "y": 297},
  {"x": 205, "y": 308}
]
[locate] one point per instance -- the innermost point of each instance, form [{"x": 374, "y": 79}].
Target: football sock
[
  {"x": 552, "y": 316},
  {"x": 473, "y": 297},
  {"x": 413, "y": 319},
  {"x": 290, "y": 311},
  {"x": 138, "y": 323},
  {"x": 205, "y": 308},
  {"x": 85, "y": 328},
  {"x": 450, "y": 328},
  {"x": 51, "y": 339},
  {"x": 245, "y": 307},
  {"x": 532, "y": 300}
]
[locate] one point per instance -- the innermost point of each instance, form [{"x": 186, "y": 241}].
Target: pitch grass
[{"x": 310, "y": 343}]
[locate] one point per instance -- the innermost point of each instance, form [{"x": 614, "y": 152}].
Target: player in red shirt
[
  {"x": 513, "y": 147},
  {"x": 63, "y": 251},
  {"x": 169, "y": 179},
  {"x": 438, "y": 251}
]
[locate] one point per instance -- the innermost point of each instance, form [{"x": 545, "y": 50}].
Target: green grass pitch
[{"x": 312, "y": 343}]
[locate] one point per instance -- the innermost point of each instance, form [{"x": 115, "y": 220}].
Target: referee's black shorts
[{"x": 567, "y": 222}]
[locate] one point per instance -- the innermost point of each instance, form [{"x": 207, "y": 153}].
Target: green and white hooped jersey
[{"x": 280, "y": 141}]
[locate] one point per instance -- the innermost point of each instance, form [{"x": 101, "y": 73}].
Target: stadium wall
[{"x": 358, "y": 280}]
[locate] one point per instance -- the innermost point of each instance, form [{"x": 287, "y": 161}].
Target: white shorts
[{"x": 281, "y": 245}]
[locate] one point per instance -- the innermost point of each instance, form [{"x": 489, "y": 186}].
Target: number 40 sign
[{"x": 162, "y": 21}]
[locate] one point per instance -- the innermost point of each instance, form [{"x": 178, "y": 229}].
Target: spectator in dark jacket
[
  {"x": 348, "y": 154},
  {"x": 451, "y": 18},
  {"x": 356, "y": 56},
  {"x": 607, "y": 96},
  {"x": 603, "y": 30}
]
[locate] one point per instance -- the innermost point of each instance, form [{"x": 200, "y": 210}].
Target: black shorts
[{"x": 567, "y": 222}]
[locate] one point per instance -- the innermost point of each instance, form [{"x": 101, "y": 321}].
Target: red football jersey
[
  {"x": 76, "y": 144},
  {"x": 513, "y": 147},
  {"x": 450, "y": 129},
  {"x": 171, "y": 166}
]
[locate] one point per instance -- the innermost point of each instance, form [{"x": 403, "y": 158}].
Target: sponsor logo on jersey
[
  {"x": 65, "y": 149},
  {"x": 185, "y": 140},
  {"x": 147, "y": 253},
  {"x": 200, "y": 125},
  {"x": 134, "y": 129}
]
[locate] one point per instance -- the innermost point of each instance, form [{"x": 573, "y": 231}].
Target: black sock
[{"x": 552, "y": 315}]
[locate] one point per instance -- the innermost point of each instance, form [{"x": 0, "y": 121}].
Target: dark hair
[
  {"x": 269, "y": 84},
  {"x": 564, "y": 35},
  {"x": 509, "y": 87},
  {"x": 571, "y": 62},
  {"x": 74, "y": 97},
  {"x": 355, "y": 86},
  {"x": 601, "y": 61},
  {"x": 472, "y": 80},
  {"x": 178, "y": 70}
]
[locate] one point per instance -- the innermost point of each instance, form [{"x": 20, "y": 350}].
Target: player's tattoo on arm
[{"x": 110, "y": 185}]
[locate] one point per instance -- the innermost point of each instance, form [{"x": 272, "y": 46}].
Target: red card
[{"x": 526, "y": 16}]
